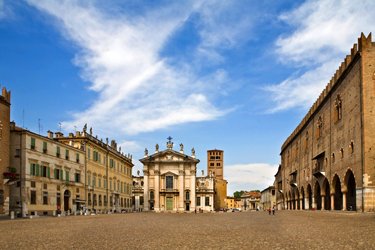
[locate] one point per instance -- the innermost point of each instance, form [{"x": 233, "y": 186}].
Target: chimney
[
  {"x": 59, "y": 135},
  {"x": 50, "y": 134}
]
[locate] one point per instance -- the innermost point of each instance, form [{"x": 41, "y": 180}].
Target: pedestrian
[
  {"x": 269, "y": 211},
  {"x": 273, "y": 210}
]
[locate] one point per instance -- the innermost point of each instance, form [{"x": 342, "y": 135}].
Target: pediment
[
  {"x": 168, "y": 173},
  {"x": 168, "y": 156}
]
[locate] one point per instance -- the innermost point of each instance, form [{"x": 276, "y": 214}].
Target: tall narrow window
[
  {"x": 187, "y": 196},
  {"x": 67, "y": 176},
  {"x": 319, "y": 127},
  {"x": 33, "y": 197},
  {"x": 77, "y": 157},
  {"x": 207, "y": 201},
  {"x": 32, "y": 143},
  {"x": 45, "y": 198},
  {"x": 57, "y": 151},
  {"x": 338, "y": 108},
  {"x": 67, "y": 154},
  {"x": 44, "y": 147},
  {"x": 169, "y": 182},
  {"x": 198, "y": 201}
]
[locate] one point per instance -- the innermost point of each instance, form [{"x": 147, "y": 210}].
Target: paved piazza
[{"x": 245, "y": 230}]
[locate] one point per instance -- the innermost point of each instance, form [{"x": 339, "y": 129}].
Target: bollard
[{"x": 12, "y": 215}]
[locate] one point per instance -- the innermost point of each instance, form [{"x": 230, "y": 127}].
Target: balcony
[
  {"x": 293, "y": 179},
  {"x": 318, "y": 169}
]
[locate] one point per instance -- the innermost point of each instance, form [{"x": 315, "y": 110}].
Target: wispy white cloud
[
  {"x": 324, "y": 32},
  {"x": 249, "y": 176},
  {"x": 223, "y": 25},
  {"x": 137, "y": 90}
]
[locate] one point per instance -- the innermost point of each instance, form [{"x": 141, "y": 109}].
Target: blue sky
[{"x": 233, "y": 75}]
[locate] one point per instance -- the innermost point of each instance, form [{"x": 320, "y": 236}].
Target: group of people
[{"x": 273, "y": 210}]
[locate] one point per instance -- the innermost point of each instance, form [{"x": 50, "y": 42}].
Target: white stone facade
[{"x": 169, "y": 180}]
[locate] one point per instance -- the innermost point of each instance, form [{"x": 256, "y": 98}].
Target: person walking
[{"x": 273, "y": 210}]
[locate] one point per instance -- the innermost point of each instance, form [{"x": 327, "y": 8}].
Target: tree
[{"x": 238, "y": 194}]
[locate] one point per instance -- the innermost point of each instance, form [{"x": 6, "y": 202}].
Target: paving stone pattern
[{"x": 239, "y": 230}]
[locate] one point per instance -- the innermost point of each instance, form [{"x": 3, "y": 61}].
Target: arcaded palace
[{"x": 328, "y": 162}]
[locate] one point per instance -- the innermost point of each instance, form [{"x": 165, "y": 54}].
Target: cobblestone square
[{"x": 240, "y": 230}]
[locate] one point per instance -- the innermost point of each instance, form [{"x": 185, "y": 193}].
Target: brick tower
[
  {"x": 4, "y": 148},
  {"x": 215, "y": 163}
]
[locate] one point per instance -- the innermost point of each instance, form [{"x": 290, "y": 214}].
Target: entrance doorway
[
  {"x": 169, "y": 203},
  {"x": 309, "y": 194},
  {"x": 66, "y": 200},
  {"x": 351, "y": 193},
  {"x": 318, "y": 196},
  {"x": 338, "y": 194},
  {"x": 187, "y": 208}
]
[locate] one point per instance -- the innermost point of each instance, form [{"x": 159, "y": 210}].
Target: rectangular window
[
  {"x": 32, "y": 143},
  {"x": 57, "y": 151},
  {"x": 93, "y": 181},
  {"x": 33, "y": 197},
  {"x": 44, "y": 147},
  {"x": 18, "y": 153},
  {"x": 212, "y": 164},
  {"x": 169, "y": 182},
  {"x": 89, "y": 179},
  {"x": 33, "y": 169},
  {"x": 88, "y": 153},
  {"x": 32, "y": 184},
  {"x": 198, "y": 201},
  {"x": 95, "y": 156},
  {"x": 141, "y": 200},
  {"x": 105, "y": 183},
  {"x": 207, "y": 201},
  {"x": 77, "y": 158},
  {"x": 99, "y": 182},
  {"x": 218, "y": 164},
  {"x": 45, "y": 198},
  {"x": 111, "y": 163},
  {"x": 66, "y": 154},
  {"x": 45, "y": 171},
  {"x": 187, "y": 196},
  {"x": 110, "y": 184},
  {"x": 67, "y": 176},
  {"x": 77, "y": 177}
]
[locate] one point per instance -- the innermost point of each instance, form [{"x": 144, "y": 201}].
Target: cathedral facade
[{"x": 169, "y": 179}]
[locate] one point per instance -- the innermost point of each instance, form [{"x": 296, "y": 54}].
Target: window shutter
[
  {"x": 61, "y": 174},
  {"x": 55, "y": 173},
  {"x": 48, "y": 172},
  {"x": 31, "y": 168},
  {"x": 37, "y": 170}
]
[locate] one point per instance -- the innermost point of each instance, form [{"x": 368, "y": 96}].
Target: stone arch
[
  {"x": 350, "y": 188},
  {"x": 303, "y": 198},
  {"x": 336, "y": 190},
  {"x": 310, "y": 196},
  {"x": 326, "y": 194},
  {"x": 317, "y": 196}
]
